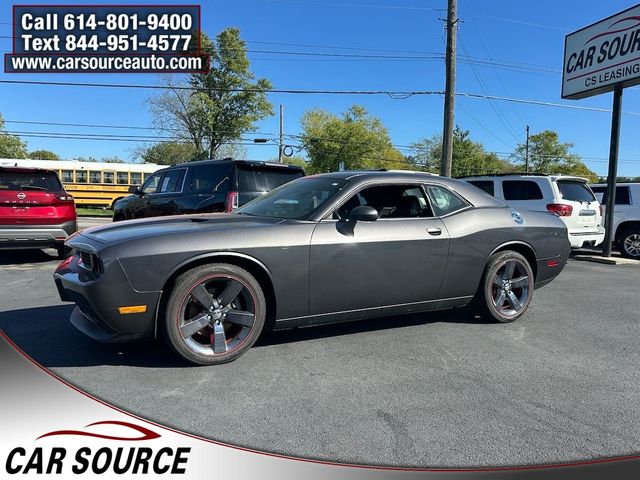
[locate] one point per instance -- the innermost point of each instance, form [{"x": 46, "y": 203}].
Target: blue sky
[{"x": 529, "y": 35}]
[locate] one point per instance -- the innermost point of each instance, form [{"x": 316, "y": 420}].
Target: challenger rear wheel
[
  {"x": 214, "y": 314},
  {"x": 505, "y": 289}
]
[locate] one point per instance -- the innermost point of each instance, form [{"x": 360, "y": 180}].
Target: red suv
[{"x": 35, "y": 210}]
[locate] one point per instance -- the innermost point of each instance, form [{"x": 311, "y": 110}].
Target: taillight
[
  {"x": 601, "y": 211},
  {"x": 560, "y": 209},
  {"x": 64, "y": 197},
  {"x": 232, "y": 202}
]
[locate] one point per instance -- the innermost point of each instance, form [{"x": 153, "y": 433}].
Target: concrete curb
[{"x": 607, "y": 260}]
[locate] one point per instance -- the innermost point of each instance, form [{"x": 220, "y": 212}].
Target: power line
[{"x": 397, "y": 94}]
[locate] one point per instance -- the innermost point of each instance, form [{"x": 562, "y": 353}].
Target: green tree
[
  {"x": 11, "y": 146},
  {"x": 169, "y": 153},
  {"x": 357, "y": 139},
  {"x": 296, "y": 160},
  {"x": 469, "y": 157},
  {"x": 224, "y": 103},
  {"x": 548, "y": 155},
  {"x": 43, "y": 155}
]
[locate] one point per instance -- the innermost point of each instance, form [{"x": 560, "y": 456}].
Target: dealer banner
[{"x": 51, "y": 429}]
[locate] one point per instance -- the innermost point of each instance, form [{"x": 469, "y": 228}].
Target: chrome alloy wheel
[
  {"x": 631, "y": 245},
  {"x": 510, "y": 288},
  {"x": 217, "y": 315}
]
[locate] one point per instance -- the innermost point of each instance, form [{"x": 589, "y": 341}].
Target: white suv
[
  {"x": 568, "y": 197},
  {"x": 626, "y": 216}
]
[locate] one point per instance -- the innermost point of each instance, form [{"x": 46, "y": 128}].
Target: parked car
[
  {"x": 568, "y": 197},
  {"x": 320, "y": 249},
  {"x": 202, "y": 187},
  {"x": 626, "y": 216},
  {"x": 35, "y": 210}
]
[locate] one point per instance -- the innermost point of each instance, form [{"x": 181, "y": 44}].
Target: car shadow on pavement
[
  {"x": 17, "y": 257},
  {"x": 458, "y": 315},
  {"x": 47, "y": 336}
]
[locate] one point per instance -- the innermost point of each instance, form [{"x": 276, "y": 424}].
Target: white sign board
[{"x": 602, "y": 55}]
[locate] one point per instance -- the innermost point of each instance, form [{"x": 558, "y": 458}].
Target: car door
[
  {"x": 164, "y": 200},
  {"x": 207, "y": 187},
  {"x": 398, "y": 259}
]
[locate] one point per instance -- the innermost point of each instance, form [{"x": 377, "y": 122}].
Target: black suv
[{"x": 204, "y": 186}]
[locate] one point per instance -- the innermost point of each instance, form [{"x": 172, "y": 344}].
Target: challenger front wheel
[{"x": 214, "y": 314}]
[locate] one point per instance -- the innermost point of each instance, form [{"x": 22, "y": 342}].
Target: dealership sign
[{"x": 602, "y": 55}]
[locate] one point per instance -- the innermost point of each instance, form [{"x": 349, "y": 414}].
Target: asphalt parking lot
[{"x": 441, "y": 389}]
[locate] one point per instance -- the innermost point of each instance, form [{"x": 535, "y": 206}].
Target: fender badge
[{"x": 517, "y": 217}]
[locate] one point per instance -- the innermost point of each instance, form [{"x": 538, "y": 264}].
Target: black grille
[{"x": 89, "y": 261}]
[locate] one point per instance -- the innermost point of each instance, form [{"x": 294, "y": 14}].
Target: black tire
[
  {"x": 63, "y": 252},
  {"x": 629, "y": 243},
  {"x": 503, "y": 295},
  {"x": 229, "y": 326}
]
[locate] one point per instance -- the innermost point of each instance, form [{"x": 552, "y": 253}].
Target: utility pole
[
  {"x": 526, "y": 155},
  {"x": 281, "y": 141},
  {"x": 450, "y": 89}
]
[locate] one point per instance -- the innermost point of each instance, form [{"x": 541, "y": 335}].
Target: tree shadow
[{"x": 46, "y": 335}]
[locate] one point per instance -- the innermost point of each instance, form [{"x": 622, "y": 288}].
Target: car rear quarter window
[
  {"x": 575, "y": 191},
  {"x": 206, "y": 179},
  {"x": 45, "y": 181},
  {"x": 486, "y": 185},
  {"x": 443, "y": 201},
  {"x": 273, "y": 178},
  {"x": 521, "y": 190}
]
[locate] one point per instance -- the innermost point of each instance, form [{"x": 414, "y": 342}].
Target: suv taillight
[
  {"x": 601, "y": 211},
  {"x": 560, "y": 209},
  {"x": 64, "y": 197},
  {"x": 232, "y": 202}
]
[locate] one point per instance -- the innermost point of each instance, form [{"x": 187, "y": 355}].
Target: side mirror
[
  {"x": 135, "y": 189},
  {"x": 363, "y": 213}
]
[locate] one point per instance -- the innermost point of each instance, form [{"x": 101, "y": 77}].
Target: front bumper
[
  {"x": 579, "y": 239},
  {"x": 35, "y": 236},
  {"x": 98, "y": 296}
]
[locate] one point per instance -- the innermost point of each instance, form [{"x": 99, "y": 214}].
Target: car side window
[
  {"x": 151, "y": 185},
  {"x": 172, "y": 181},
  {"x": 391, "y": 201},
  {"x": 521, "y": 190},
  {"x": 623, "y": 196},
  {"x": 486, "y": 185},
  {"x": 207, "y": 179},
  {"x": 443, "y": 201}
]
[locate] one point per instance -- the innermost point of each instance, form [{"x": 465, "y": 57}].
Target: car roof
[
  {"x": 26, "y": 170},
  {"x": 230, "y": 161},
  {"x": 618, "y": 184},
  {"x": 553, "y": 178}
]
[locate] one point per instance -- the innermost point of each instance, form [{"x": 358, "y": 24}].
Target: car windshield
[{"x": 294, "y": 200}]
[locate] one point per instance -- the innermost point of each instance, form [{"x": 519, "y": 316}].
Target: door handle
[{"x": 434, "y": 231}]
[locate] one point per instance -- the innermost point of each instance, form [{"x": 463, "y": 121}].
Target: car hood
[{"x": 179, "y": 224}]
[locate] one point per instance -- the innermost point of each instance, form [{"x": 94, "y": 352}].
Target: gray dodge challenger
[{"x": 320, "y": 249}]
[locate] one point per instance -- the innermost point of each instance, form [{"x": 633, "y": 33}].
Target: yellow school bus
[{"x": 92, "y": 184}]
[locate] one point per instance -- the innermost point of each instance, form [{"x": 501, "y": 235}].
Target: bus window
[
  {"x": 122, "y": 178},
  {"x": 66, "y": 176},
  {"x": 136, "y": 178},
  {"x": 108, "y": 177},
  {"x": 94, "y": 177},
  {"x": 81, "y": 176}
]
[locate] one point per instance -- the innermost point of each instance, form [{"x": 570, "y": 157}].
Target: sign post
[{"x": 601, "y": 58}]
